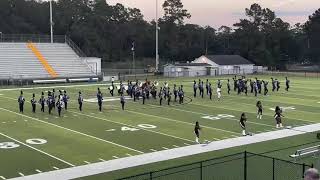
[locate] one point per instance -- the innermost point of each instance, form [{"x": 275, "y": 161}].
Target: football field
[{"x": 32, "y": 143}]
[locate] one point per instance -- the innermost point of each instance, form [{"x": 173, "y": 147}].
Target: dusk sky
[{"x": 226, "y": 12}]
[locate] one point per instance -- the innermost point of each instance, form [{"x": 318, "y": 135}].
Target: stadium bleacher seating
[{"x": 18, "y": 61}]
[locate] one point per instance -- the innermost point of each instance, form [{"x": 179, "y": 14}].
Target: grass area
[{"x": 49, "y": 142}]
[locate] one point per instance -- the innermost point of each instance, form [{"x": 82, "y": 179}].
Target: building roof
[
  {"x": 191, "y": 64},
  {"x": 228, "y": 59}
]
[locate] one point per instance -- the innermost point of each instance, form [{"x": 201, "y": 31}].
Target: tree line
[{"x": 108, "y": 31}]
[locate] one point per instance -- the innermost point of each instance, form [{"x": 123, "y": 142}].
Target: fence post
[
  {"x": 245, "y": 165},
  {"x": 273, "y": 169},
  {"x": 150, "y": 175},
  {"x": 303, "y": 169},
  {"x": 201, "y": 170}
]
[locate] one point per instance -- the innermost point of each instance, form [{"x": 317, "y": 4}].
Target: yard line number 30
[{"x": 11, "y": 145}]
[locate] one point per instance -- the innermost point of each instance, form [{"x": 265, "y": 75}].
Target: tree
[
  {"x": 312, "y": 28},
  {"x": 174, "y": 12}
]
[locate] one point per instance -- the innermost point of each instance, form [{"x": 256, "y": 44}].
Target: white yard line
[
  {"x": 21, "y": 174},
  {"x": 55, "y": 168},
  {"x": 87, "y": 162},
  {"x": 165, "y": 148},
  {"x": 173, "y": 120},
  {"x": 104, "y": 119},
  {"x": 38, "y": 171},
  {"x": 2, "y": 177},
  {"x": 116, "y": 157},
  {"x": 148, "y": 158},
  {"x": 153, "y": 150},
  {"x": 101, "y": 159},
  {"x": 176, "y": 146},
  {"x": 77, "y": 132},
  {"x": 47, "y": 87},
  {"x": 31, "y": 147}
]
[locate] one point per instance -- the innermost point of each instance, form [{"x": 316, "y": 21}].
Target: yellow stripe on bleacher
[{"x": 43, "y": 60}]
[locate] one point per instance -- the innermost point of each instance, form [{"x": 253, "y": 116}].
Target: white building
[{"x": 211, "y": 65}]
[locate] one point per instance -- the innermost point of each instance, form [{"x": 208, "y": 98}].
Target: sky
[{"x": 216, "y": 13}]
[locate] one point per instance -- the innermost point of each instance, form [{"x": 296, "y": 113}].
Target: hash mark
[
  {"x": 187, "y": 144},
  {"x": 87, "y": 162},
  {"x": 38, "y": 171},
  {"x": 21, "y": 174},
  {"x": 165, "y": 148},
  {"x": 128, "y": 154},
  {"x": 175, "y": 146},
  {"x": 101, "y": 159},
  {"x": 2, "y": 177},
  {"x": 153, "y": 150},
  {"x": 55, "y": 168},
  {"x": 217, "y": 139},
  {"x": 116, "y": 157}
]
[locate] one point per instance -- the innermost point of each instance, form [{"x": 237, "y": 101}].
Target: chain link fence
[{"x": 246, "y": 166}]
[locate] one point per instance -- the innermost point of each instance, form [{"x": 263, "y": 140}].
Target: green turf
[{"x": 79, "y": 138}]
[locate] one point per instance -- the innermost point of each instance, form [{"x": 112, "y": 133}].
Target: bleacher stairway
[{"x": 18, "y": 61}]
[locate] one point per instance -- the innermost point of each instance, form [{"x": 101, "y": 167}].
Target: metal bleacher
[{"x": 17, "y": 61}]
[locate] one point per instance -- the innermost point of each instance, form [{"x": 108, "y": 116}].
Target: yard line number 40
[
  {"x": 143, "y": 126},
  {"x": 11, "y": 145}
]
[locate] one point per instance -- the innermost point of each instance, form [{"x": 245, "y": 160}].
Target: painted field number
[
  {"x": 144, "y": 126},
  {"x": 219, "y": 116},
  {"x": 11, "y": 145}
]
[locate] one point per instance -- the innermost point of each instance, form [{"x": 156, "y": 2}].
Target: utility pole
[
  {"x": 51, "y": 22},
  {"x": 133, "y": 58},
  {"x": 157, "y": 38}
]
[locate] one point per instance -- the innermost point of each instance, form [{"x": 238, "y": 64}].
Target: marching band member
[
  {"x": 243, "y": 120},
  {"x": 65, "y": 99},
  {"x": 33, "y": 103},
  {"x": 42, "y": 101},
  {"x": 122, "y": 101},
  {"x": 21, "y": 101},
  {"x": 100, "y": 99},
  {"x": 80, "y": 101}
]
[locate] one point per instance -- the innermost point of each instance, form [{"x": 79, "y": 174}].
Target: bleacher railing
[
  {"x": 241, "y": 166},
  {"x": 36, "y": 38}
]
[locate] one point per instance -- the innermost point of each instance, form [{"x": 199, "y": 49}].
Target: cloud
[{"x": 284, "y": 3}]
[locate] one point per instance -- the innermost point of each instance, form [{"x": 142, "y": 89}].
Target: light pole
[
  {"x": 157, "y": 38},
  {"x": 133, "y": 58},
  {"x": 51, "y": 22}
]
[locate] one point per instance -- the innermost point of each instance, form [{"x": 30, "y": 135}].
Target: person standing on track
[{"x": 197, "y": 130}]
